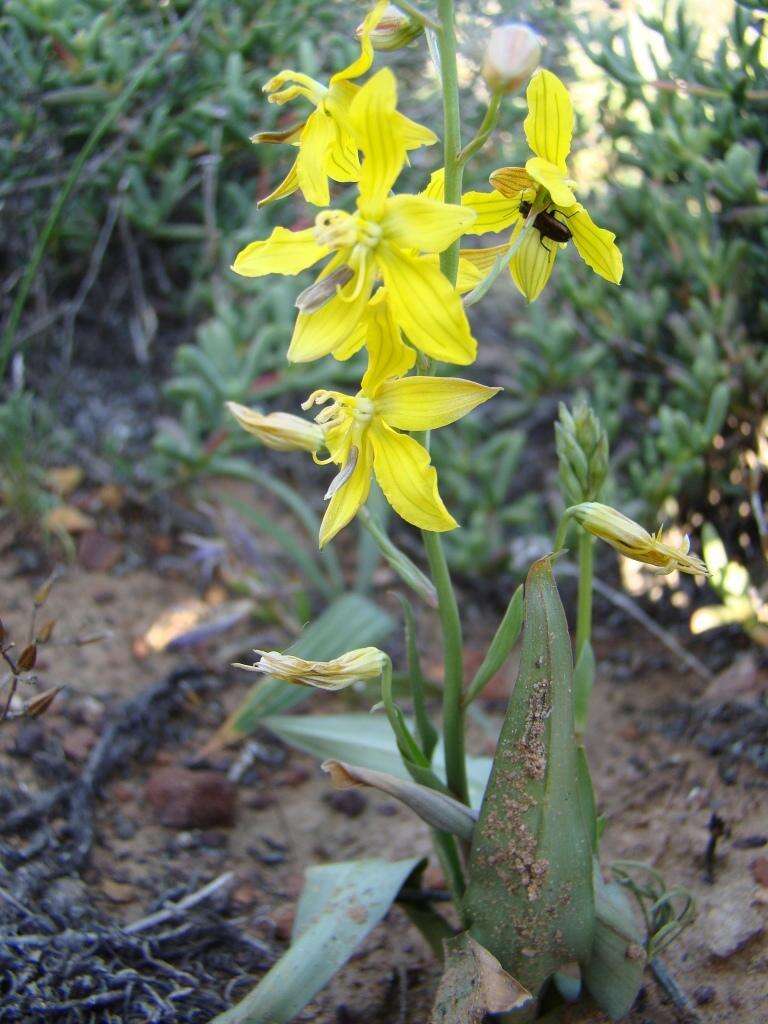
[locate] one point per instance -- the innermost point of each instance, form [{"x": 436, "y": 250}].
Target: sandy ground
[{"x": 655, "y": 778}]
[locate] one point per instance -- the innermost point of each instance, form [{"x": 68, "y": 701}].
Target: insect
[{"x": 547, "y": 224}]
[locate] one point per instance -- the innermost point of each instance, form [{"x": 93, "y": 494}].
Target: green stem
[
  {"x": 111, "y": 114},
  {"x": 417, "y": 15},
  {"x": 484, "y": 131},
  {"x": 562, "y": 533},
  {"x": 449, "y": 260},
  {"x": 584, "y": 608},
  {"x": 453, "y": 681}
]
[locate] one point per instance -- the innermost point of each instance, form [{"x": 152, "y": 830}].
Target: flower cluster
[{"x": 380, "y": 285}]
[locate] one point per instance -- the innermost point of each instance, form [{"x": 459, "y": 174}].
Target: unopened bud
[
  {"x": 364, "y": 663},
  {"x": 511, "y": 56},
  {"x": 582, "y": 451},
  {"x": 279, "y": 430},
  {"x": 41, "y": 596},
  {"x": 394, "y": 29}
]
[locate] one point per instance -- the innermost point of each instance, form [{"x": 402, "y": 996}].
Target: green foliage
[{"x": 26, "y": 437}]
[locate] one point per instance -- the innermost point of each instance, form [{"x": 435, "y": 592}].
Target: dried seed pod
[
  {"x": 42, "y": 593},
  {"x": 40, "y": 704},
  {"x": 27, "y": 658},
  {"x": 45, "y": 632}
]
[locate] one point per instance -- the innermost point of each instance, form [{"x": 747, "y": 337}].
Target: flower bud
[
  {"x": 394, "y": 30},
  {"x": 582, "y": 452},
  {"x": 633, "y": 540},
  {"x": 279, "y": 430},
  {"x": 511, "y": 56},
  {"x": 365, "y": 663}
]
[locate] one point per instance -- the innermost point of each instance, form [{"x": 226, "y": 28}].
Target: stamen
[{"x": 322, "y": 291}]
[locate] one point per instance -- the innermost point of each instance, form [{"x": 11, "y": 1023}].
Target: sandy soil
[{"x": 656, "y": 780}]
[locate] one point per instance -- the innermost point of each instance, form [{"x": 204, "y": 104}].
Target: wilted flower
[
  {"x": 394, "y": 29},
  {"x": 511, "y": 56},
  {"x": 633, "y": 540},
  {"x": 364, "y": 663},
  {"x": 279, "y": 430}
]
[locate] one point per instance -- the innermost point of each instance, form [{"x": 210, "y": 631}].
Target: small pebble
[
  {"x": 704, "y": 994},
  {"x": 349, "y": 802}
]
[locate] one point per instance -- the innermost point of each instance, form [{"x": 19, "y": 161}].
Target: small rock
[
  {"x": 97, "y": 552},
  {"x": 704, "y": 994},
  {"x": 125, "y": 828},
  {"x": 733, "y": 922},
  {"x": 66, "y": 898},
  {"x": 118, "y": 892},
  {"x": 349, "y": 802},
  {"x": 749, "y": 842},
  {"x": 283, "y": 919},
  {"x": 189, "y": 799},
  {"x": 78, "y": 742},
  {"x": 759, "y": 869}
]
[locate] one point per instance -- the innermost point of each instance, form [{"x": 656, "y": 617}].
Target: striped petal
[
  {"x": 426, "y": 403},
  {"x": 549, "y": 124},
  {"x": 348, "y": 499},
  {"x": 426, "y": 307},
  {"x": 284, "y": 252},
  {"x": 495, "y": 212},
  {"x": 415, "y": 222},
  {"x": 287, "y": 187},
  {"x": 553, "y": 180},
  {"x": 511, "y": 181},
  {"x": 319, "y": 333},
  {"x": 377, "y": 134},
  {"x": 532, "y": 263},
  {"x": 361, "y": 64},
  {"x": 482, "y": 259},
  {"x": 388, "y": 355},
  {"x": 316, "y": 140},
  {"x": 408, "y": 480},
  {"x": 596, "y": 246}
]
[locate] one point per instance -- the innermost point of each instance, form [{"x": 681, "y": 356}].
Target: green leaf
[
  {"x": 529, "y": 899},
  {"x": 351, "y": 621},
  {"x": 583, "y": 681},
  {"x": 340, "y": 905},
  {"x": 367, "y": 741},
  {"x": 614, "y": 972}
]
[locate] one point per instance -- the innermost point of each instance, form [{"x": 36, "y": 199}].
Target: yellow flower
[
  {"x": 541, "y": 194},
  {"x": 362, "y": 432},
  {"x": 279, "y": 430},
  {"x": 327, "y": 147},
  {"x": 383, "y": 238},
  {"x": 632, "y": 540},
  {"x": 364, "y": 663}
]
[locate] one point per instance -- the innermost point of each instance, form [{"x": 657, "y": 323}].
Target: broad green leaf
[
  {"x": 529, "y": 899},
  {"x": 340, "y": 905},
  {"x": 351, "y": 621},
  {"x": 614, "y": 972},
  {"x": 365, "y": 740}
]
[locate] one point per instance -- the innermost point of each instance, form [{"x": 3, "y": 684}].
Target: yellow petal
[
  {"x": 287, "y": 187},
  {"x": 317, "y": 138},
  {"x": 549, "y": 124},
  {"x": 511, "y": 181},
  {"x": 378, "y": 135},
  {"x": 596, "y": 245},
  {"x": 482, "y": 259},
  {"x": 341, "y": 160},
  {"x": 426, "y": 307},
  {"x": 317, "y": 334},
  {"x": 347, "y": 500},
  {"x": 494, "y": 211},
  {"x": 426, "y": 403},
  {"x": 408, "y": 480},
  {"x": 553, "y": 180},
  {"x": 364, "y": 663},
  {"x": 363, "y": 63},
  {"x": 532, "y": 263},
  {"x": 436, "y": 187},
  {"x": 468, "y": 277},
  {"x": 284, "y": 252},
  {"x": 414, "y": 135},
  {"x": 388, "y": 355},
  {"x": 415, "y": 222}
]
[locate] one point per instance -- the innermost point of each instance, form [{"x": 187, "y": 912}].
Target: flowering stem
[
  {"x": 484, "y": 131},
  {"x": 584, "y": 608},
  {"x": 417, "y": 15},
  {"x": 448, "y": 610}
]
